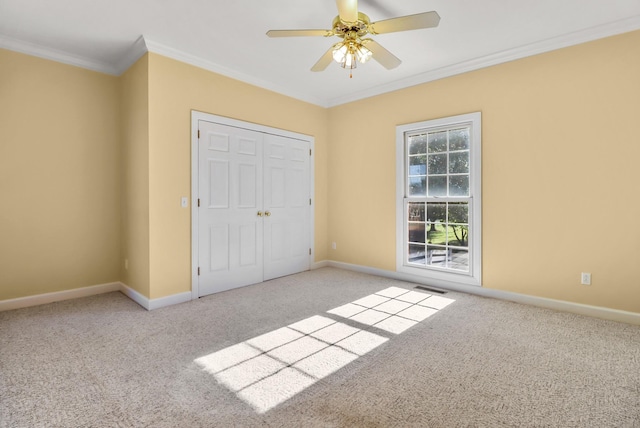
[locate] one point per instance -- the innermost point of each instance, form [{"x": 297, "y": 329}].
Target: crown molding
[
  {"x": 196, "y": 61},
  {"x": 143, "y": 45},
  {"x": 40, "y": 51},
  {"x": 135, "y": 52},
  {"x": 570, "y": 39}
]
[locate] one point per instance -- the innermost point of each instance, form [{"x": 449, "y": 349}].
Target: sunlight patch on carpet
[
  {"x": 269, "y": 369},
  {"x": 393, "y": 309}
]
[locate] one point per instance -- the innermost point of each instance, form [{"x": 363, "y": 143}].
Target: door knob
[
  {"x": 260, "y": 214},
  {"x": 267, "y": 213}
]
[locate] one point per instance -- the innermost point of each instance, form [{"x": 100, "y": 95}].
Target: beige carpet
[{"x": 327, "y": 348}]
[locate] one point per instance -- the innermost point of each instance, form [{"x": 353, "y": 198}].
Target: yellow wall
[
  {"x": 560, "y": 172},
  {"x": 134, "y": 114},
  {"x": 92, "y": 169},
  {"x": 59, "y": 177},
  {"x": 175, "y": 89}
]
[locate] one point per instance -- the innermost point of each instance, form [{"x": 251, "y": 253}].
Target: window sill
[{"x": 441, "y": 276}]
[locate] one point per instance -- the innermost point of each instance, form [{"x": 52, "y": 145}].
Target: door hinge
[
  {"x": 198, "y": 271},
  {"x": 198, "y": 201},
  {"x": 309, "y": 251},
  {"x": 309, "y": 152},
  {"x": 309, "y": 201},
  {"x": 198, "y": 134}
]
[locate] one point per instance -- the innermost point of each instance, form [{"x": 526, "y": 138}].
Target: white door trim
[{"x": 197, "y": 116}]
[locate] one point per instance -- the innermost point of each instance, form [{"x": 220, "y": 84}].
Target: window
[{"x": 439, "y": 200}]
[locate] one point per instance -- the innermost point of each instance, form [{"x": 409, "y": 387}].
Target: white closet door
[
  {"x": 230, "y": 187},
  {"x": 287, "y": 206}
]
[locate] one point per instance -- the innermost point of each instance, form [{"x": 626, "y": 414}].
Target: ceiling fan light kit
[
  {"x": 348, "y": 54},
  {"x": 352, "y": 26}
]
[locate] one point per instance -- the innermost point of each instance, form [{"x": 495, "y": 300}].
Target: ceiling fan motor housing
[{"x": 352, "y": 29}]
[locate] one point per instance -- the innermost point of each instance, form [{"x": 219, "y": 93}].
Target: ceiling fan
[{"x": 351, "y": 26}]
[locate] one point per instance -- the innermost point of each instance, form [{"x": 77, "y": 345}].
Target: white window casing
[{"x": 435, "y": 173}]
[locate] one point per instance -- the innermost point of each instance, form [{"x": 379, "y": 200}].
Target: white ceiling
[{"x": 228, "y": 37}]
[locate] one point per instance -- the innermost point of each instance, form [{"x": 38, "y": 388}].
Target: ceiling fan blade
[
  {"x": 324, "y": 61},
  {"x": 378, "y": 7},
  {"x": 299, "y": 33},
  {"x": 380, "y": 54},
  {"x": 404, "y": 23},
  {"x": 348, "y": 10}
]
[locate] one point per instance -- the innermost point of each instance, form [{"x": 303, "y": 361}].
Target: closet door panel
[
  {"x": 230, "y": 231},
  {"x": 286, "y": 199}
]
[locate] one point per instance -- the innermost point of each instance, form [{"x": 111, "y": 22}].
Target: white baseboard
[
  {"x": 135, "y": 296},
  {"x": 151, "y": 304},
  {"x": 559, "y": 305},
  {"x": 170, "y": 300},
  {"x": 318, "y": 265},
  {"x": 145, "y": 302},
  {"x": 41, "y": 299}
]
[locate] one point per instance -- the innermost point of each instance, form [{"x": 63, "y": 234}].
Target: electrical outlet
[
  {"x": 334, "y": 246},
  {"x": 184, "y": 202},
  {"x": 585, "y": 278}
]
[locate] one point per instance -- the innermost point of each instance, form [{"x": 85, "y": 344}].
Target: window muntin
[
  {"x": 438, "y": 235},
  {"x": 439, "y": 163}
]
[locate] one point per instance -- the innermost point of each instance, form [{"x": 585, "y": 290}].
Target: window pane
[
  {"x": 436, "y": 234},
  {"x": 458, "y": 212},
  {"x": 459, "y": 139},
  {"x": 438, "y": 164},
  {"x": 416, "y": 254},
  {"x": 458, "y": 235},
  {"x": 417, "y": 186},
  {"x": 436, "y": 256},
  {"x": 458, "y": 185},
  {"x": 437, "y": 186},
  {"x": 438, "y": 142},
  {"x": 459, "y": 260},
  {"x": 418, "y": 165},
  {"x": 436, "y": 212},
  {"x": 459, "y": 163},
  {"x": 416, "y": 232},
  {"x": 416, "y": 211},
  {"x": 417, "y": 144}
]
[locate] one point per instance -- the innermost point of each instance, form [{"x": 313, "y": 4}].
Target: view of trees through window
[{"x": 438, "y": 198}]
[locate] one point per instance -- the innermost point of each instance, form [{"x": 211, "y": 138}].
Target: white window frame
[{"x": 442, "y": 276}]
